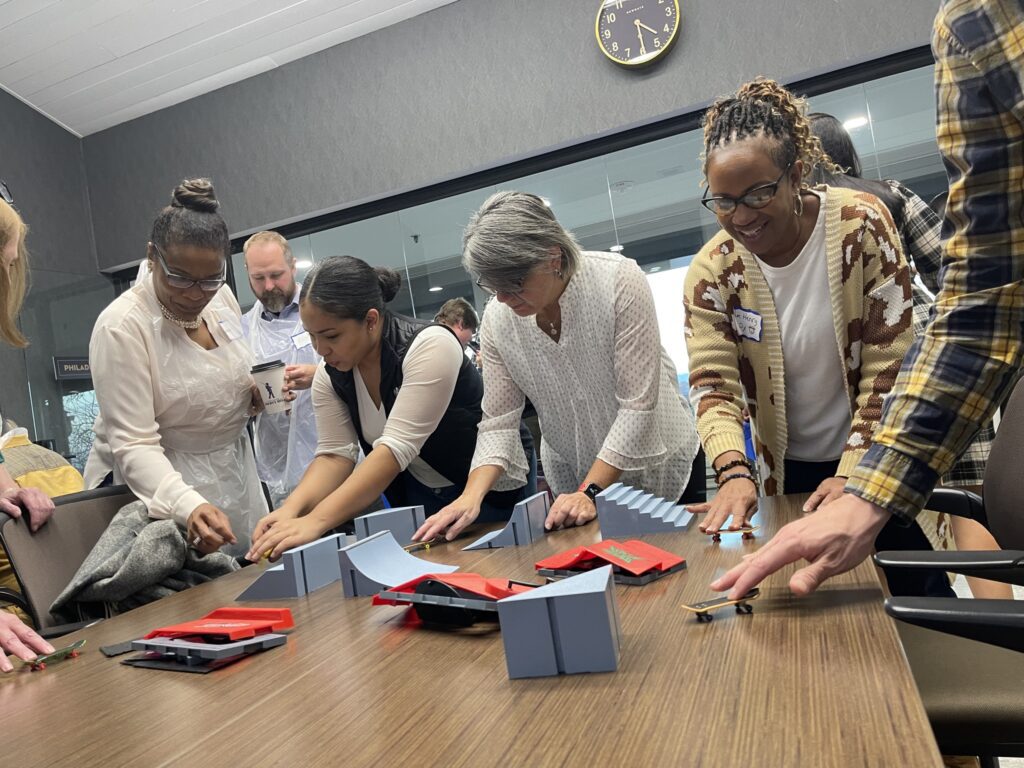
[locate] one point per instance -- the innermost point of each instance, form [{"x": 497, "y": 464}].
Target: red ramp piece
[
  {"x": 472, "y": 583},
  {"x": 633, "y": 562},
  {"x": 231, "y": 624}
]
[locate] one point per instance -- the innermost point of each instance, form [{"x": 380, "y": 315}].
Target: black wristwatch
[{"x": 590, "y": 490}]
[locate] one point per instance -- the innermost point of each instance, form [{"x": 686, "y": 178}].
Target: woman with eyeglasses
[
  {"x": 799, "y": 309},
  {"x": 171, "y": 372},
  {"x": 400, "y": 388},
  {"x": 575, "y": 332}
]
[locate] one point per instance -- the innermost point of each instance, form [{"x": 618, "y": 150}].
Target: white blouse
[
  {"x": 430, "y": 371},
  {"x": 606, "y": 390},
  {"x": 173, "y": 414}
]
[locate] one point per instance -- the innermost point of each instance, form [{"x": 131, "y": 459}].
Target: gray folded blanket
[{"x": 137, "y": 560}]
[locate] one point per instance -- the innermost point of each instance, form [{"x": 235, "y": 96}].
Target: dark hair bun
[
  {"x": 196, "y": 195},
  {"x": 390, "y": 281}
]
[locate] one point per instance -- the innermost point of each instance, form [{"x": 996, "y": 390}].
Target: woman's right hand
[
  {"x": 265, "y": 524},
  {"x": 736, "y": 499},
  {"x": 453, "y": 519},
  {"x": 208, "y": 529}
]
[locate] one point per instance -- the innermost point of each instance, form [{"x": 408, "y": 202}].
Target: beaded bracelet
[
  {"x": 732, "y": 465},
  {"x": 727, "y": 478}
]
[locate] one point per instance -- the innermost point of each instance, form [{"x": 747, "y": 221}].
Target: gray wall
[
  {"x": 43, "y": 165},
  {"x": 468, "y": 86}
]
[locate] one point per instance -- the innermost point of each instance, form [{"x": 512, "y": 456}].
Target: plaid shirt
[{"x": 956, "y": 375}]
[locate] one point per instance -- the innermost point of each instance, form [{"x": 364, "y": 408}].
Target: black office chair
[
  {"x": 974, "y": 694},
  {"x": 44, "y": 562}
]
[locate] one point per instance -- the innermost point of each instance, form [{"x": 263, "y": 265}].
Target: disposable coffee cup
[{"x": 269, "y": 378}]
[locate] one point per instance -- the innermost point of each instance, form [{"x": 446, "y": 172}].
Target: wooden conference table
[{"x": 820, "y": 681}]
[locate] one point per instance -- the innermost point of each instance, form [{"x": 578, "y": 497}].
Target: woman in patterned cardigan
[{"x": 800, "y": 309}]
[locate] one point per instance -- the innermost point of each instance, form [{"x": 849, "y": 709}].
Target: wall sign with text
[
  {"x": 635, "y": 33},
  {"x": 68, "y": 368}
]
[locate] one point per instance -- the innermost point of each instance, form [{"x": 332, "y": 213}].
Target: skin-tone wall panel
[{"x": 468, "y": 86}]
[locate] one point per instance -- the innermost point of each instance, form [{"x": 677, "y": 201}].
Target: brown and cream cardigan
[{"x": 870, "y": 288}]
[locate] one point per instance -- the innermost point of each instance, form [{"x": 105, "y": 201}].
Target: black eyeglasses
[
  {"x": 5, "y": 193},
  {"x": 758, "y": 197},
  {"x": 511, "y": 289},
  {"x": 182, "y": 283}
]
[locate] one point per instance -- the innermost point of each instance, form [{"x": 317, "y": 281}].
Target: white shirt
[
  {"x": 606, "y": 390},
  {"x": 429, "y": 373},
  {"x": 173, "y": 414},
  {"x": 818, "y": 413}
]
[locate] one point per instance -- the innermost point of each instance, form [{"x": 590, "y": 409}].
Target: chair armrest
[
  {"x": 996, "y": 622},
  {"x": 958, "y": 502},
  {"x": 14, "y": 598},
  {"x": 1005, "y": 565}
]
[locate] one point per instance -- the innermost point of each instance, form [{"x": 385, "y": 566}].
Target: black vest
[{"x": 449, "y": 450}]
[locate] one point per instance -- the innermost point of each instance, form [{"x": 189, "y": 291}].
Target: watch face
[{"x": 636, "y": 32}]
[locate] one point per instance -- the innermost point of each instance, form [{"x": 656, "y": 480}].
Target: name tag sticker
[
  {"x": 301, "y": 340},
  {"x": 747, "y": 323},
  {"x": 232, "y": 329}
]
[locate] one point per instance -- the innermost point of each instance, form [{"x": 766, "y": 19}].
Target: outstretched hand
[{"x": 833, "y": 540}]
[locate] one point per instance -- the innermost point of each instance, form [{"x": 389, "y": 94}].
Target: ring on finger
[{"x": 197, "y": 541}]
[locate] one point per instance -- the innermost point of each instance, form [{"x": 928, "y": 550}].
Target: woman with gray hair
[{"x": 576, "y": 333}]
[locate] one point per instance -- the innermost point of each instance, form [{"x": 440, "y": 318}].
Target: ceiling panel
[{"x": 91, "y": 64}]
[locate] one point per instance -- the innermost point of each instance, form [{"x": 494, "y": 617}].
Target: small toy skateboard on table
[
  {"x": 704, "y": 609},
  {"x": 70, "y": 652},
  {"x": 747, "y": 531}
]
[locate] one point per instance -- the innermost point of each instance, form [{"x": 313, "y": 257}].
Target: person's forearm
[
  {"x": 320, "y": 480},
  {"x": 366, "y": 483},
  {"x": 602, "y": 473},
  {"x": 480, "y": 482}
]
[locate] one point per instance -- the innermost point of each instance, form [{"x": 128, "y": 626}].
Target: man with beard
[{"x": 285, "y": 442}]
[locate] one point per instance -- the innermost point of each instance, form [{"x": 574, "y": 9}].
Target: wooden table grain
[{"x": 819, "y": 681}]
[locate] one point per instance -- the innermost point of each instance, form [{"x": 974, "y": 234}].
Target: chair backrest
[
  {"x": 44, "y": 562},
  {"x": 1003, "y": 475}
]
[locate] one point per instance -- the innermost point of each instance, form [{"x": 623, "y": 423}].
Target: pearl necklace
[{"x": 188, "y": 325}]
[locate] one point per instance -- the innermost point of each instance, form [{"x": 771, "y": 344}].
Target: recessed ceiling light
[
  {"x": 546, "y": 201},
  {"x": 617, "y": 248},
  {"x": 436, "y": 288},
  {"x": 855, "y": 122},
  {"x": 304, "y": 264},
  {"x": 654, "y": 269}
]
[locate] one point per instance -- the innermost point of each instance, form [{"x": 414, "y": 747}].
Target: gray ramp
[
  {"x": 278, "y": 582},
  {"x": 379, "y": 562},
  {"x": 567, "y": 627},
  {"x": 525, "y": 526},
  {"x": 403, "y": 522}
]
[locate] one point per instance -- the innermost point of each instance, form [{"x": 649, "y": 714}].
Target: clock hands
[{"x": 640, "y": 34}]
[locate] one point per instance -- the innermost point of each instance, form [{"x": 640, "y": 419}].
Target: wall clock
[{"x": 636, "y": 33}]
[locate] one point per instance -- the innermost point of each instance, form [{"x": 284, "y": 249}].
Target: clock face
[{"x": 636, "y": 32}]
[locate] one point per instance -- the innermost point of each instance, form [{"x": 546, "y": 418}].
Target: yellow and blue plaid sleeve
[{"x": 956, "y": 375}]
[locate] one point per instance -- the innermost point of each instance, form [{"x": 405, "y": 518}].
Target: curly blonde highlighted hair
[
  {"x": 762, "y": 107},
  {"x": 14, "y": 280}
]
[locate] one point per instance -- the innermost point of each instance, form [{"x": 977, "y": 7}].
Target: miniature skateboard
[
  {"x": 70, "y": 651},
  {"x": 747, "y": 531},
  {"x": 704, "y": 609}
]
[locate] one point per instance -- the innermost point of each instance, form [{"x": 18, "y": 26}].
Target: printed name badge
[
  {"x": 301, "y": 340},
  {"x": 232, "y": 330},
  {"x": 747, "y": 323}
]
